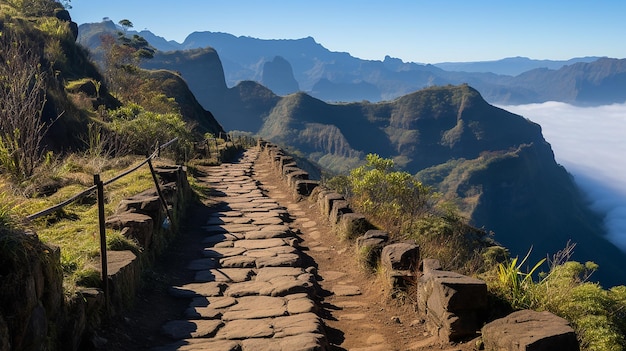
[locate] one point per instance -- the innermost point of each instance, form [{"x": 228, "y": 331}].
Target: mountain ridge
[{"x": 338, "y": 76}]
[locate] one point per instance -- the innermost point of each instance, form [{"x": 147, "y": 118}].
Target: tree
[
  {"x": 121, "y": 60},
  {"x": 22, "y": 98},
  {"x": 126, "y": 24}
]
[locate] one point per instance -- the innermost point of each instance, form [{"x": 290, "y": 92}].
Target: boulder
[
  {"x": 148, "y": 204},
  {"x": 372, "y": 237},
  {"x": 530, "y": 331},
  {"x": 296, "y": 175},
  {"x": 326, "y": 199},
  {"x": 339, "y": 208},
  {"x": 430, "y": 264},
  {"x": 370, "y": 244}
]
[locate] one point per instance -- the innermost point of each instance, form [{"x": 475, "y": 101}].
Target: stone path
[
  {"x": 353, "y": 306},
  {"x": 254, "y": 288}
]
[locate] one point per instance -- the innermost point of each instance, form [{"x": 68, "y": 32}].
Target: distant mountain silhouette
[
  {"x": 338, "y": 76},
  {"x": 510, "y": 66},
  {"x": 278, "y": 76}
]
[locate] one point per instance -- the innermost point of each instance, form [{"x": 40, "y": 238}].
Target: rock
[
  {"x": 140, "y": 226},
  {"x": 296, "y": 175},
  {"x": 245, "y": 329},
  {"x": 430, "y": 264},
  {"x": 454, "y": 305},
  {"x": 297, "y": 324},
  {"x": 238, "y": 262},
  {"x": 197, "y": 289},
  {"x": 280, "y": 260},
  {"x": 400, "y": 256},
  {"x": 326, "y": 200},
  {"x": 260, "y": 243},
  {"x": 340, "y": 207},
  {"x": 305, "y": 187},
  {"x": 352, "y": 225},
  {"x": 530, "y": 330},
  {"x": 148, "y": 204},
  {"x": 226, "y": 275}
]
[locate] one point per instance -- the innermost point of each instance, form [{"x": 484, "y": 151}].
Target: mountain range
[
  {"x": 338, "y": 76},
  {"x": 495, "y": 165}
]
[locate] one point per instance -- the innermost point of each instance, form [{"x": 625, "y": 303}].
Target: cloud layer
[{"x": 590, "y": 142}]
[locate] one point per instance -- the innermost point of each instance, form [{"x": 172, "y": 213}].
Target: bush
[{"x": 142, "y": 129}]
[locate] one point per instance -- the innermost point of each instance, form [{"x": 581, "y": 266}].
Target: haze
[{"x": 590, "y": 143}]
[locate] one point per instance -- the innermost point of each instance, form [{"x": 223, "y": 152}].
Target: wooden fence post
[
  {"x": 103, "y": 240},
  {"x": 158, "y": 188}
]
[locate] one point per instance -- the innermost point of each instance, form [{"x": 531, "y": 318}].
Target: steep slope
[
  {"x": 237, "y": 108},
  {"x": 173, "y": 86},
  {"x": 496, "y": 164}
]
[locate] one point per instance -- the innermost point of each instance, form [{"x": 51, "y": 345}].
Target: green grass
[{"x": 75, "y": 228}]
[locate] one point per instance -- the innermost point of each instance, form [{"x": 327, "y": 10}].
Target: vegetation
[
  {"x": 400, "y": 204},
  {"x": 597, "y": 315},
  {"x": 64, "y": 120},
  {"x": 408, "y": 209}
]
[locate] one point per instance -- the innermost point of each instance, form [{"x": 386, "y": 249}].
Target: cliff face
[
  {"x": 201, "y": 68},
  {"x": 278, "y": 76}
]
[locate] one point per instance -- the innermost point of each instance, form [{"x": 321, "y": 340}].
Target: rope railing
[
  {"x": 89, "y": 190},
  {"x": 99, "y": 186}
]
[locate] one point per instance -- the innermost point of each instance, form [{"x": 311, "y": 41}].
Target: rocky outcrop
[
  {"x": 31, "y": 293},
  {"x": 278, "y": 76}
]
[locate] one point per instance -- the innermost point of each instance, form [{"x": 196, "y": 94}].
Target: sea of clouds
[{"x": 590, "y": 142}]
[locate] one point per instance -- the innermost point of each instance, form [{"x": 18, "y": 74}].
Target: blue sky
[{"x": 425, "y": 31}]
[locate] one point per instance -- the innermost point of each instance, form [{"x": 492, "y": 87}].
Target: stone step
[{"x": 250, "y": 290}]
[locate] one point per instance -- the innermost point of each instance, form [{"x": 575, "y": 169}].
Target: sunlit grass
[{"x": 75, "y": 228}]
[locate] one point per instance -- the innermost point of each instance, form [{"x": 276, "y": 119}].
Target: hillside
[
  {"x": 495, "y": 164},
  {"x": 338, "y": 76}
]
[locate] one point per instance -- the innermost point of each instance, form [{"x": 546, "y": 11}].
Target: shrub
[
  {"x": 142, "y": 129},
  {"x": 395, "y": 198}
]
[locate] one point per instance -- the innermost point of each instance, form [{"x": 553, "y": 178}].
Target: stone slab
[
  {"x": 226, "y": 275},
  {"x": 181, "y": 329}
]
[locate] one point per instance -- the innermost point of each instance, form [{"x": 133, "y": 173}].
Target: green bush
[
  {"x": 396, "y": 198},
  {"x": 142, "y": 129}
]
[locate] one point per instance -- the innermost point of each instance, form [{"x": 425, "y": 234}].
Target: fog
[{"x": 590, "y": 142}]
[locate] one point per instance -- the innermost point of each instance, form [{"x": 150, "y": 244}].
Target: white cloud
[{"x": 590, "y": 142}]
